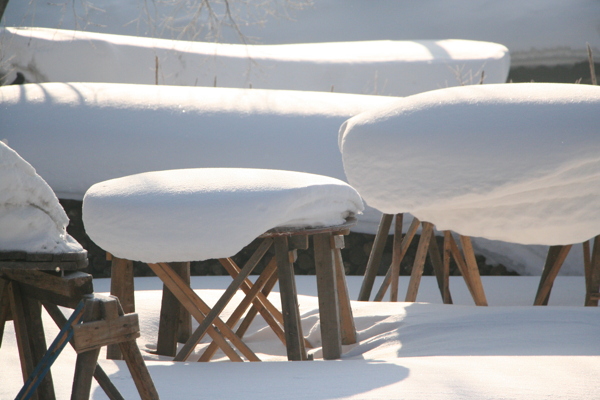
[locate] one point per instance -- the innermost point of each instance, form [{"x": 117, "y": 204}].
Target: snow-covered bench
[
  {"x": 384, "y": 67},
  {"x": 196, "y": 214},
  {"x": 517, "y": 163}
]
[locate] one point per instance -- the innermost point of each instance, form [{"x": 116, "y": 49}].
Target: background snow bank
[
  {"x": 31, "y": 219},
  {"x": 536, "y": 32},
  {"x": 512, "y": 162},
  {"x": 397, "y": 68}
]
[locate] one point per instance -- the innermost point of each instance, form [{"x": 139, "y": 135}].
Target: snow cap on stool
[
  {"x": 512, "y": 162},
  {"x": 31, "y": 218},
  {"x": 204, "y": 213}
]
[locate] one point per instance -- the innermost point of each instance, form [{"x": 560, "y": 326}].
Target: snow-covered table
[
  {"x": 185, "y": 215},
  {"x": 513, "y": 162}
]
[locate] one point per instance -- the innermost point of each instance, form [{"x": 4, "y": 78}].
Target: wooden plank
[
  {"x": 442, "y": 273},
  {"x": 175, "y": 323},
  {"x": 554, "y": 261},
  {"x": 592, "y": 295},
  {"x": 138, "y": 370},
  {"x": 396, "y": 258},
  {"x": 197, "y": 308},
  {"x": 226, "y": 297},
  {"x": 21, "y": 331},
  {"x": 478, "y": 292},
  {"x": 348, "y": 329},
  {"x": 375, "y": 257},
  {"x": 72, "y": 284},
  {"x": 406, "y": 241},
  {"x": 4, "y": 307},
  {"x": 419, "y": 263},
  {"x": 122, "y": 286},
  {"x": 91, "y": 335},
  {"x": 331, "y": 335},
  {"x": 453, "y": 250},
  {"x": 289, "y": 301},
  {"x": 249, "y": 299},
  {"x": 103, "y": 380},
  {"x": 37, "y": 343},
  {"x": 85, "y": 365}
]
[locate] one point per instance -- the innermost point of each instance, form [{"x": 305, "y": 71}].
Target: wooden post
[
  {"x": 85, "y": 365},
  {"x": 122, "y": 286},
  {"x": 554, "y": 261},
  {"x": 175, "y": 321},
  {"x": 346, "y": 316},
  {"x": 397, "y": 260},
  {"x": 289, "y": 301},
  {"x": 473, "y": 275},
  {"x": 419, "y": 263},
  {"x": 328, "y": 298},
  {"x": 593, "y": 285},
  {"x": 442, "y": 271},
  {"x": 375, "y": 257}
]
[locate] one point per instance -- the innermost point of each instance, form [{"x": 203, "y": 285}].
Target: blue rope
[{"x": 59, "y": 343}]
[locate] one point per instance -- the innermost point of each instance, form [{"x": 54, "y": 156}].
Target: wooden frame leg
[
  {"x": 554, "y": 261},
  {"x": 346, "y": 316},
  {"x": 198, "y": 308},
  {"x": 121, "y": 286},
  {"x": 441, "y": 269},
  {"x": 419, "y": 263},
  {"x": 473, "y": 274},
  {"x": 375, "y": 257},
  {"x": 175, "y": 321},
  {"x": 397, "y": 258},
  {"x": 85, "y": 366},
  {"x": 593, "y": 283},
  {"x": 331, "y": 335},
  {"x": 289, "y": 301}
]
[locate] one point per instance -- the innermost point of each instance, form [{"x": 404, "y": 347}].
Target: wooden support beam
[
  {"x": 473, "y": 275},
  {"x": 122, "y": 286},
  {"x": 419, "y": 263},
  {"x": 289, "y": 301},
  {"x": 328, "y": 297},
  {"x": 442, "y": 271},
  {"x": 397, "y": 260},
  {"x": 593, "y": 286},
  {"x": 375, "y": 257},
  {"x": 554, "y": 261},
  {"x": 346, "y": 316}
]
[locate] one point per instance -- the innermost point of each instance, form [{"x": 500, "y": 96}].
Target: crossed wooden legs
[
  {"x": 554, "y": 261},
  {"x": 427, "y": 246},
  {"x": 337, "y": 324}
]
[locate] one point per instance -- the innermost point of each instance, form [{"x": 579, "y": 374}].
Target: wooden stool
[
  {"x": 212, "y": 213},
  {"x": 554, "y": 261},
  {"x": 26, "y": 283},
  {"x": 427, "y": 245},
  {"x": 337, "y": 324}
]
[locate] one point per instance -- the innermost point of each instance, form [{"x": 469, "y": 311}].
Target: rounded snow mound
[
  {"x": 31, "y": 218},
  {"x": 512, "y": 162},
  {"x": 204, "y": 213}
]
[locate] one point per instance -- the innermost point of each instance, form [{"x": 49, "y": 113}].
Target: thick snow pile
[
  {"x": 414, "y": 351},
  {"x": 397, "y": 68},
  {"x": 536, "y": 32},
  {"x": 203, "y": 213},
  {"x": 85, "y": 133},
  {"x": 31, "y": 219},
  {"x": 513, "y": 162}
]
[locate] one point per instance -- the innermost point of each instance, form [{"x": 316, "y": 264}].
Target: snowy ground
[{"x": 426, "y": 350}]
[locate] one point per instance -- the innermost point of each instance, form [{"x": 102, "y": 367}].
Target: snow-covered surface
[
  {"x": 31, "y": 219},
  {"x": 537, "y": 32},
  {"x": 513, "y": 162},
  {"x": 204, "y": 213},
  {"x": 510, "y": 350},
  {"x": 397, "y": 68}
]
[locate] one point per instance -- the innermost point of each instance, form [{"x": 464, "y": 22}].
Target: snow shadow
[{"x": 314, "y": 380}]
